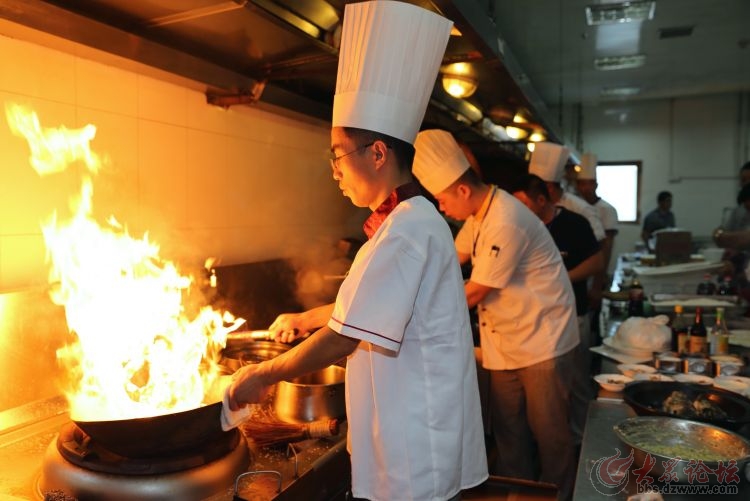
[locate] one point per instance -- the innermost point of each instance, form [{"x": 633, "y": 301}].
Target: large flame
[{"x": 136, "y": 354}]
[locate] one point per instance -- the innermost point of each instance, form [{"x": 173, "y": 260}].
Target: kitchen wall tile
[
  {"x": 205, "y": 117},
  {"x": 106, "y": 88},
  {"x": 208, "y": 180},
  {"x": 26, "y": 198},
  {"x": 116, "y": 183},
  {"x": 162, "y": 101},
  {"x": 22, "y": 262},
  {"x": 32, "y": 70},
  {"x": 162, "y": 176}
]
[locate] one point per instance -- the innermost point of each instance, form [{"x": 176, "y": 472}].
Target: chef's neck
[{"x": 479, "y": 198}]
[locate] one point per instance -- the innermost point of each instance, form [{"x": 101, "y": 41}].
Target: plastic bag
[{"x": 641, "y": 333}]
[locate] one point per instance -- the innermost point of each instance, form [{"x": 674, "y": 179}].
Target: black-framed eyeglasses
[{"x": 335, "y": 160}]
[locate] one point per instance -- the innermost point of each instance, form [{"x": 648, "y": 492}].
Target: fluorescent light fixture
[
  {"x": 619, "y": 91},
  {"x": 620, "y": 12},
  {"x": 619, "y": 62}
]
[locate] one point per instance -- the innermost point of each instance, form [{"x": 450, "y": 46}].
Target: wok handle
[{"x": 236, "y": 495}]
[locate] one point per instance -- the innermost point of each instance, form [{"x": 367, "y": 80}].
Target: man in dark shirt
[
  {"x": 659, "y": 218},
  {"x": 583, "y": 258}
]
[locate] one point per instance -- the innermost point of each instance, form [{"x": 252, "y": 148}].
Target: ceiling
[{"x": 532, "y": 56}]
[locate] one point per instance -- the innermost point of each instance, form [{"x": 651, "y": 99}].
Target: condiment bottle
[
  {"x": 635, "y": 299},
  {"x": 698, "y": 336},
  {"x": 719, "y": 342},
  {"x": 680, "y": 327}
]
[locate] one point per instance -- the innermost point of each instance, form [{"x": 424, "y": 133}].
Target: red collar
[{"x": 379, "y": 215}]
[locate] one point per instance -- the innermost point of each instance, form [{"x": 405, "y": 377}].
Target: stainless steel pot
[
  {"x": 238, "y": 354},
  {"x": 318, "y": 395}
]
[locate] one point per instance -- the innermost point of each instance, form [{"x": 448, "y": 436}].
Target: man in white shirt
[
  {"x": 400, "y": 317},
  {"x": 526, "y": 308}
]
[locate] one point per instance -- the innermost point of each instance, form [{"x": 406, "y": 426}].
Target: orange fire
[{"x": 136, "y": 354}]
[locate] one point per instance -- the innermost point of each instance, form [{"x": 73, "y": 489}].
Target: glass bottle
[
  {"x": 707, "y": 287},
  {"x": 697, "y": 343},
  {"x": 719, "y": 342},
  {"x": 725, "y": 287},
  {"x": 680, "y": 327},
  {"x": 635, "y": 299}
]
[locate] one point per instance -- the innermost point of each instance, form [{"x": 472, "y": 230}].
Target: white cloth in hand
[{"x": 231, "y": 419}]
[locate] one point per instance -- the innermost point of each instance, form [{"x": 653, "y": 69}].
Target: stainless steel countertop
[{"x": 600, "y": 441}]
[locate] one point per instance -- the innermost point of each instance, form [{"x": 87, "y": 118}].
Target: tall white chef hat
[
  {"x": 438, "y": 161},
  {"x": 548, "y": 161},
  {"x": 389, "y": 58},
  {"x": 588, "y": 166}
]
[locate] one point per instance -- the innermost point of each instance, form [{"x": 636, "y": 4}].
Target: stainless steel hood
[{"x": 284, "y": 53}]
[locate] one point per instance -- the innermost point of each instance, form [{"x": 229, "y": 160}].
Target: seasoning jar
[
  {"x": 668, "y": 362},
  {"x": 726, "y": 365},
  {"x": 695, "y": 364}
]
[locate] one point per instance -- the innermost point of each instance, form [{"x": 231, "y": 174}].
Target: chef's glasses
[{"x": 335, "y": 160}]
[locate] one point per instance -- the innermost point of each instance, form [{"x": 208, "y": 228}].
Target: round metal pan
[
  {"x": 165, "y": 435},
  {"x": 666, "y": 439},
  {"x": 646, "y": 399}
]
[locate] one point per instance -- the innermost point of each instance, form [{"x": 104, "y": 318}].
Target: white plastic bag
[{"x": 641, "y": 333}]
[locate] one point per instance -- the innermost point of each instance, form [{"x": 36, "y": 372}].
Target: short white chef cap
[
  {"x": 588, "y": 166},
  {"x": 439, "y": 160},
  {"x": 389, "y": 58},
  {"x": 548, "y": 161}
]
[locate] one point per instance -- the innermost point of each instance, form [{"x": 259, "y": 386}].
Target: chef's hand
[
  {"x": 248, "y": 387},
  {"x": 287, "y": 327}
]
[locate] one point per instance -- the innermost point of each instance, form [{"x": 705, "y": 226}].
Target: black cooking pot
[
  {"x": 647, "y": 397},
  {"x": 166, "y": 435}
]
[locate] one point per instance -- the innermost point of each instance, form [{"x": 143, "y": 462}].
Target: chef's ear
[{"x": 379, "y": 148}]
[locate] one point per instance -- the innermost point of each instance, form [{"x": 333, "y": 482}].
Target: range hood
[{"x": 284, "y": 53}]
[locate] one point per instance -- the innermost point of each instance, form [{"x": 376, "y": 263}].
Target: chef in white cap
[
  {"x": 548, "y": 162},
  {"x": 526, "y": 307},
  {"x": 587, "y": 185},
  {"x": 412, "y": 399}
]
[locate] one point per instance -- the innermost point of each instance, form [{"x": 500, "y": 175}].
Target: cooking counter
[
  {"x": 600, "y": 441},
  {"x": 316, "y": 469}
]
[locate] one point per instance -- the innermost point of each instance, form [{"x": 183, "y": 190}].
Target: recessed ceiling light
[
  {"x": 619, "y": 91},
  {"x": 619, "y": 62},
  {"x": 621, "y": 12}
]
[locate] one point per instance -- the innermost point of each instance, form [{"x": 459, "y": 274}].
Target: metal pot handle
[{"x": 252, "y": 474}]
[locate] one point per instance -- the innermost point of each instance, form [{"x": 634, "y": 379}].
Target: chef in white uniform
[
  {"x": 526, "y": 307},
  {"x": 548, "y": 162},
  {"x": 412, "y": 400}
]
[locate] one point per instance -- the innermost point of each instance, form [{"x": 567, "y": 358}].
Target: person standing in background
[
  {"x": 659, "y": 218},
  {"x": 587, "y": 185},
  {"x": 526, "y": 307},
  {"x": 412, "y": 400},
  {"x": 583, "y": 259},
  {"x": 548, "y": 163},
  {"x": 739, "y": 219}
]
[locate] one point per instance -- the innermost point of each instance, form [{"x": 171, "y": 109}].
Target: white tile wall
[{"x": 240, "y": 184}]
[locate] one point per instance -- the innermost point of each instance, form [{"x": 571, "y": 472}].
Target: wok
[
  {"x": 667, "y": 438},
  {"x": 166, "y": 435},
  {"x": 646, "y": 398}
]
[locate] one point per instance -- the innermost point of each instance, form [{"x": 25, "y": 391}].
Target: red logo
[{"x": 610, "y": 475}]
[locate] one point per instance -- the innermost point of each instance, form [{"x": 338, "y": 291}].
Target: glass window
[{"x": 619, "y": 184}]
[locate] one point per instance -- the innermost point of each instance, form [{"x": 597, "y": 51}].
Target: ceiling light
[
  {"x": 516, "y": 132},
  {"x": 520, "y": 118},
  {"x": 537, "y": 137},
  {"x": 530, "y": 147},
  {"x": 675, "y": 32},
  {"x": 619, "y": 91},
  {"x": 620, "y": 12},
  {"x": 619, "y": 62},
  {"x": 577, "y": 168},
  {"x": 459, "y": 79}
]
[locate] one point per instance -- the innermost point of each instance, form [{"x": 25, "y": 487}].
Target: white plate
[
  {"x": 737, "y": 384},
  {"x": 642, "y": 376},
  {"x": 634, "y": 352},
  {"x": 631, "y": 370},
  {"x": 693, "y": 378},
  {"x": 612, "y": 382}
]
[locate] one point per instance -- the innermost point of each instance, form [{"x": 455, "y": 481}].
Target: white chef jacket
[
  {"x": 607, "y": 215},
  {"x": 412, "y": 400},
  {"x": 580, "y": 206},
  {"x": 530, "y": 315}
]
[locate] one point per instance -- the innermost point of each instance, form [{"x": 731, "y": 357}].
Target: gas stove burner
[
  {"x": 78, "y": 448},
  {"x": 77, "y": 466}
]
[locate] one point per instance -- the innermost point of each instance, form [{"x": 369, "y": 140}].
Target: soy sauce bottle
[
  {"x": 698, "y": 341},
  {"x": 635, "y": 299},
  {"x": 680, "y": 327}
]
